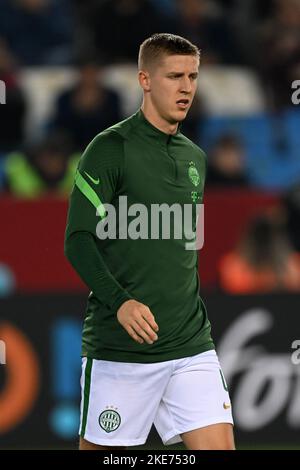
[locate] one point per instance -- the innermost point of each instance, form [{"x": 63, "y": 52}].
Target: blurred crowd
[{"x": 89, "y": 35}]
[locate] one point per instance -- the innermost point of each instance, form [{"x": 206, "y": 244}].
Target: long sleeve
[
  {"x": 93, "y": 270},
  {"x": 97, "y": 180}
]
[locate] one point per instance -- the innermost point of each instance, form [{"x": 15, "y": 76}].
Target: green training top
[{"x": 141, "y": 164}]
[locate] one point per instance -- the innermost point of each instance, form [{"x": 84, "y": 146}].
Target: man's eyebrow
[{"x": 180, "y": 74}]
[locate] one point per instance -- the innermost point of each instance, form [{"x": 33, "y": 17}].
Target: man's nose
[{"x": 185, "y": 85}]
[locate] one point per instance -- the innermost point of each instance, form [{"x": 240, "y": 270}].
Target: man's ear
[{"x": 144, "y": 79}]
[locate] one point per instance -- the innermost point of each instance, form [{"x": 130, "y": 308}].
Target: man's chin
[{"x": 179, "y": 116}]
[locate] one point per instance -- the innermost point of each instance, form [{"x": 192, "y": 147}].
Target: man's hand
[{"x": 138, "y": 321}]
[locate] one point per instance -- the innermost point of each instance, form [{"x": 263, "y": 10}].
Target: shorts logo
[
  {"x": 193, "y": 174},
  {"x": 109, "y": 420}
]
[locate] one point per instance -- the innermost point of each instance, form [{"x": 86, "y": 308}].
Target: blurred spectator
[
  {"x": 121, "y": 25},
  {"x": 12, "y": 114},
  {"x": 44, "y": 167},
  {"x": 226, "y": 163},
  {"x": 87, "y": 108},
  {"x": 264, "y": 260},
  {"x": 202, "y": 22},
  {"x": 84, "y": 14},
  {"x": 37, "y": 31},
  {"x": 280, "y": 52}
]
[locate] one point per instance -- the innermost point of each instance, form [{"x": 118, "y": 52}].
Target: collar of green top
[{"x": 153, "y": 132}]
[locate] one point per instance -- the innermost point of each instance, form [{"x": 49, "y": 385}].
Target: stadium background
[{"x": 69, "y": 70}]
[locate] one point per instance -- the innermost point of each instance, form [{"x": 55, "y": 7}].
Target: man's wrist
[{"x": 120, "y": 300}]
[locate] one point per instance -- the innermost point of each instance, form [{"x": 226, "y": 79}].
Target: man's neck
[{"x": 157, "y": 121}]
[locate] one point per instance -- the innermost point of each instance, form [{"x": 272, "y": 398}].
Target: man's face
[{"x": 173, "y": 84}]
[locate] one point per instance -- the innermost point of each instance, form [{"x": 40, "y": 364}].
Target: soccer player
[{"x": 148, "y": 355}]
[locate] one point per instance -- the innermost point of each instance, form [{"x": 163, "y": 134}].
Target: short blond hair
[{"x": 158, "y": 44}]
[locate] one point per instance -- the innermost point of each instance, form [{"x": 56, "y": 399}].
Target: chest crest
[{"x": 193, "y": 174}]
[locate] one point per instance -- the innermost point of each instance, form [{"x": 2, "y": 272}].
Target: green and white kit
[
  {"x": 176, "y": 382},
  {"x": 136, "y": 160}
]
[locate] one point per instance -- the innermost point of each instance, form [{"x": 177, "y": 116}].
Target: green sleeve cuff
[{"x": 118, "y": 302}]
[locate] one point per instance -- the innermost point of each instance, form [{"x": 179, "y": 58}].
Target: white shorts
[{"x": 120, "y": 401}]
